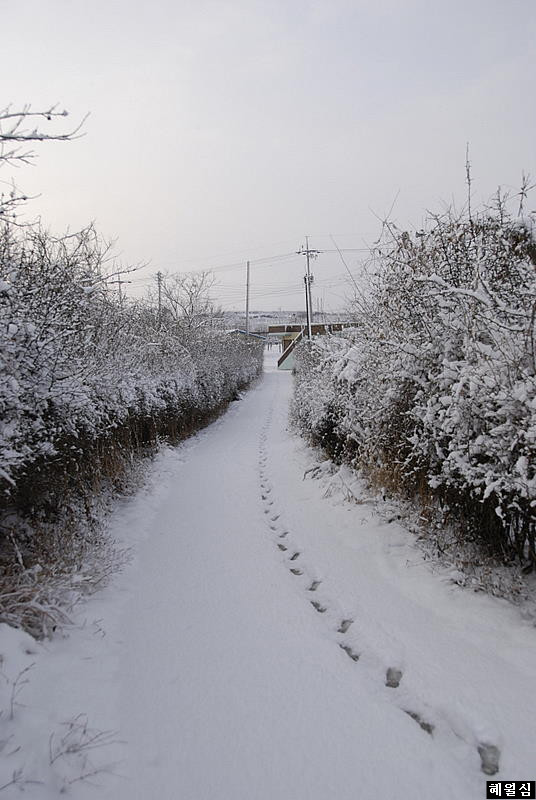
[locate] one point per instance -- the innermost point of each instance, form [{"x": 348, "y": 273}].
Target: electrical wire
[{"x": 229, "y": 293}]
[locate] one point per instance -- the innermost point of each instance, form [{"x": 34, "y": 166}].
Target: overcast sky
[{"x": 226, "y": 130}]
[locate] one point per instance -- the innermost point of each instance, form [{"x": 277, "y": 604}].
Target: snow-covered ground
[{"x": 244, "y": 653}]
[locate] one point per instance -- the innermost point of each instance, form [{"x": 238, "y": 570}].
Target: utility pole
[
  {"x": 308, "y": 278},
  {"x": 247, "y": 299},
  {"x": 119, "y": 284},
  {"x": 159, "y": 281},
  {"x": 309, "y": 281},
  {"x": 307, "y": 308}
]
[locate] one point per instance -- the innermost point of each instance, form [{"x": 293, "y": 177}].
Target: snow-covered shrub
[
  {"x": 434, "y": 391},
  {"x": 85, "y": 381},
  {"x": 317, "y": 407},
  {"x": 76, "y": 366}
]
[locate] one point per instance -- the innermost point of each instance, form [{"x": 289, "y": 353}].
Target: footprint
[
  {"x": 282, "y": 535},
  {"x": 489, "y": 758},
  {"x": 314, "y": 586},
  {"x": 294, "y": 557},
  {"x": 349, "y": 652},
  {"x": 282, "y": 547},
  {"x": 426, "y": 726},
  {"x": 296, "y": 571},
  {"x": 393, "y": 676},
  {"x": 273, "y": 528},
  {"x": 318, "y": 607},
  {"x": 275, "y": 517},
  {"x": 345, "y": 624}
]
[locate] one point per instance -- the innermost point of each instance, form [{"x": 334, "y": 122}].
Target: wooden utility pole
[
  {"x": 308, "y": 278},
  {"x": 247, "y": 298}
]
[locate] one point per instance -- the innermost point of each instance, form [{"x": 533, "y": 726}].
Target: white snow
[{"x": 207, "y": 665}]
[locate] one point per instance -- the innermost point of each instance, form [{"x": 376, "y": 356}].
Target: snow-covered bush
[
  {"x": 76, "y": 366},
  {"x": 86, "y": 381},
  {"x": 433, "y": 393}
]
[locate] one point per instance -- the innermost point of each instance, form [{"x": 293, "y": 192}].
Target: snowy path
[
  {"x": 233, "y": 687},
  {"x": 258, "y": 624}
]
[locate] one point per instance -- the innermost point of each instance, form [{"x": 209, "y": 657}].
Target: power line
[
  {"x": 277, "y": 258},
  {"x": 231, "y": 292}
]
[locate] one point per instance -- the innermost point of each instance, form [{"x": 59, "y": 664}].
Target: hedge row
[{"x": 433, "y": 393}]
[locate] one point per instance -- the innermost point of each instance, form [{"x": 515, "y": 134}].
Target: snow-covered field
[{"x": 244, "y": 652}]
